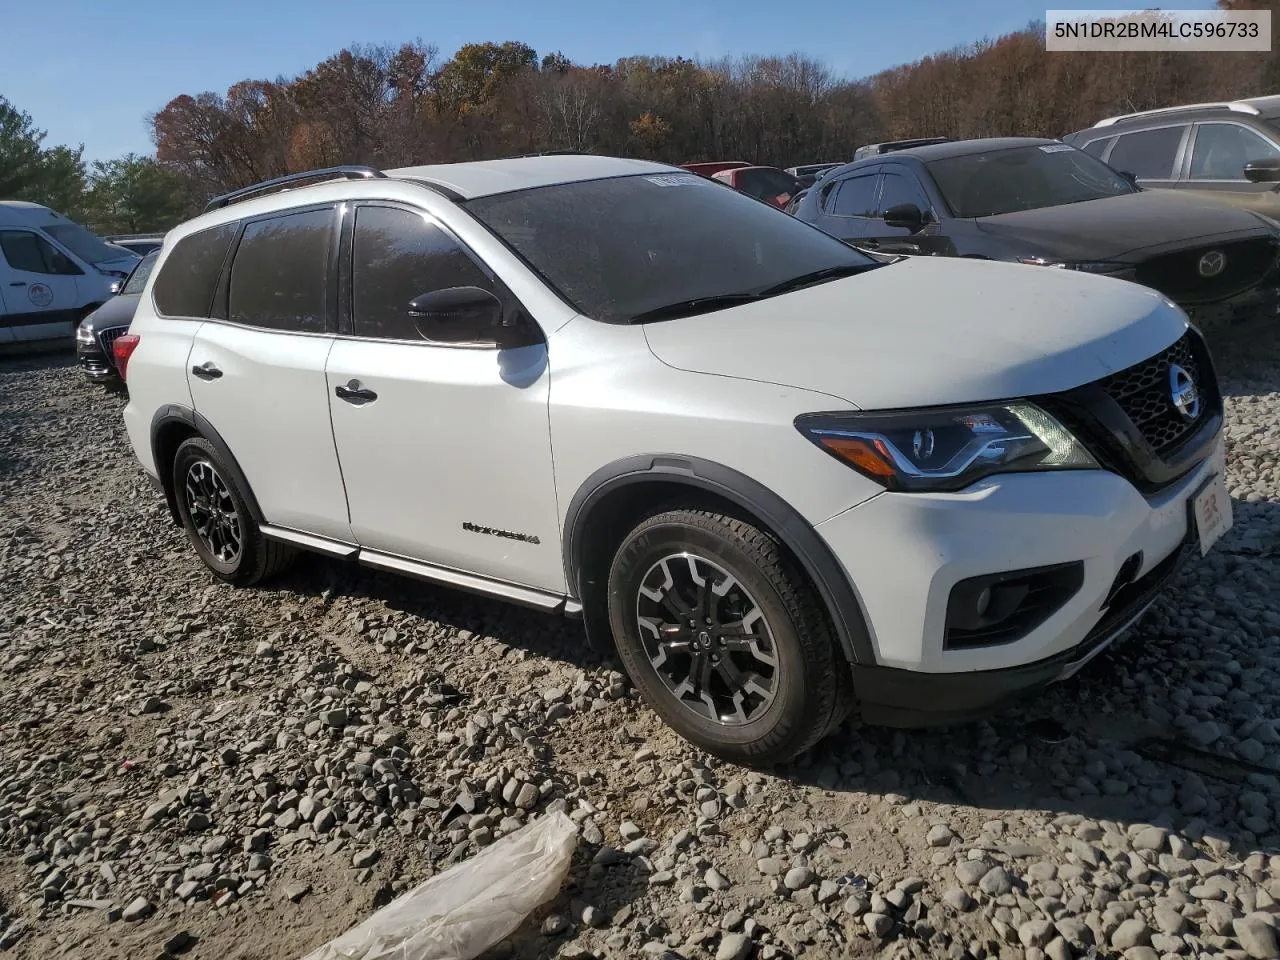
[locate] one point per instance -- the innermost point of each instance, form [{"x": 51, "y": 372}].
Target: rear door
[
  {"x": 41, "y": 299},
  {"x": 256, "y": 369},
  {"x": 1152, "y": 156}
]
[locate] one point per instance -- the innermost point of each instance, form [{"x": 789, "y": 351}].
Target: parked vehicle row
[
  {"x": 1048, "y": 204},
  {"x": 52, "y": 272},
  {"x": 782, "y": 478}
]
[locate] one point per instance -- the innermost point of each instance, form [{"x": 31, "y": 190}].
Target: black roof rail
[{"x": 345, "y": 172}]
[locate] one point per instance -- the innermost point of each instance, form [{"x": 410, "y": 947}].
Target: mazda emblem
[
  {"x": 1212, "y": 263},
  {"x": 1183, "y": 392}
]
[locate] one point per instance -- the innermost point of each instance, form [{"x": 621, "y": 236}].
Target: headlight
[
  {"x": 1085, "y": 266},
  {"x": 83, "y": 335},
  {"x": 946, "y": 448}
]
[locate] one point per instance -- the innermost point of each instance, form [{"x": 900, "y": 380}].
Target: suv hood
[
  {"x": 928, "y": 331},
  {"x": 1112, "y": 227}
]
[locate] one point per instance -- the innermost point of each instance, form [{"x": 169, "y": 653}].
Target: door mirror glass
[
  {"x": 457, "y": 314},
  {"x": 905, "y": 215},
  {"x": 1266, "y": 170}
]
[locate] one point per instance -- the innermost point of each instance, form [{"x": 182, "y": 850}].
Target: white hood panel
[{"x": 929, "y": 331}]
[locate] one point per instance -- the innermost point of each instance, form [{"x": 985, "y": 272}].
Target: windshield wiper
[
  {"x": 817, "y": 276},
  {"x": 688, "y": 308}
]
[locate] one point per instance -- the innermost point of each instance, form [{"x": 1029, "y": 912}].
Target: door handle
[
  {"x": 355, "y": 393},
  {"x": 207, "y": 371},
  {"x": 17, "y": 283}
]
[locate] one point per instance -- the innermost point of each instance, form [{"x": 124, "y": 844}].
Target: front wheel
[
  {"x": 725, "y": 637},
  {"x": 217, "y": 519}
]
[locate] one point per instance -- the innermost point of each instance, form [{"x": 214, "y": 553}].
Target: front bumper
[
  {"x": 905, "y": 552},
  {"x": 95, "y": 364},
  {"x": 1256, "y": 303}
]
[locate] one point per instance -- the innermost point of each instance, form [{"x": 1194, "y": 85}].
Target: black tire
[
  {"x": 809, "y": 687},
  {"x": 201, "y": 479}
]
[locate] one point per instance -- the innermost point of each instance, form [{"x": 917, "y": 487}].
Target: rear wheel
[
  {"x": 725, "y": 637},
  {"x": 217, "y": 519}
]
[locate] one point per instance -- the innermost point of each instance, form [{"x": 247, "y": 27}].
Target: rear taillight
[{"x": 122, "y": 350}]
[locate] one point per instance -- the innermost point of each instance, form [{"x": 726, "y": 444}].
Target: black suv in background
[
  {"x": 99, "y": 330},
  {"x": 1227, "y": 152},
  {"x": 1045, "y": 203}
]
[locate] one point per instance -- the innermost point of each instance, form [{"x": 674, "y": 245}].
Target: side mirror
[
  {"x": 905, "y": 215},
  {"x": 116, "y": 286},
  {"x": 460, "y": 314},
  {"x": 1266, "y": 170},
  {"x": 1132, "y": 178}
]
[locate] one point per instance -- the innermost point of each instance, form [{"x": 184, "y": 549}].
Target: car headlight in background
[
  {"x": 946, "y": 449},
  {"x": 83, "y": 334},
  {"x": 1084, "y": 266}
]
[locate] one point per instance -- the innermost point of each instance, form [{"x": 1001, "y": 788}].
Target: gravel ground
[{"x": 190, "y": 769}]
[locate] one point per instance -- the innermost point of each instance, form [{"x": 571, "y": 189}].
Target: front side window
[
  {"x": 280, "y": 275},
  {"x": 855, "y": 197},
  {"x": 397, "y": 256},
  {"x": 648, "y": 246},
  {"x": 1023, "y": 178},
  {"x": 32, "y": 253},
  {"x": 1147, "y": 154},
  {"x": 1223, "y": 149},
  {"x": 85, "y": 245},
  {"x": 898, "y": 189},
  {"x": 138, "y": 279}
]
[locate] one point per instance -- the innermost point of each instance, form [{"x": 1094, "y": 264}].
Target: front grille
[
  {"x": 1144, "y": 394},
  {"x": 107, "y": 339},
  {"x": 1178, "y": 276}
]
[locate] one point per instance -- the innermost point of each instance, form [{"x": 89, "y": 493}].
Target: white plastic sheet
[{"x": 458, "y": 914}]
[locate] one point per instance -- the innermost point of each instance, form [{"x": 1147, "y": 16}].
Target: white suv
[{"x": 780, "y": 478}]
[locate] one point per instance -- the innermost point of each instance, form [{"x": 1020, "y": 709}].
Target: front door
[
  {"x": 256, "y": 371},
  {"x": 41, "y": 299},
  {"x": 898, "y": 187},
  {"x": 443, "y": 436}
]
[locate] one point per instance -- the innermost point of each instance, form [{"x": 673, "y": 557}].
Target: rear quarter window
[{"x": 189, "y": 275}]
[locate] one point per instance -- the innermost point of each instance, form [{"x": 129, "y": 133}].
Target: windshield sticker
[
  {"x": 1056, "y": 147},
  {"x": 675, "y": 179}
]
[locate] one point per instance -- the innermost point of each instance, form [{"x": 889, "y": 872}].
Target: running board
[
  {"x": 526, "y": 596},
  {"x": 333, "y": 548},
  {"x": 447, "y": 576}
]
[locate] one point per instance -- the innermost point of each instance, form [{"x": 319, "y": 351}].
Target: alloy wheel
[
  {"x": 213, "y": 512},
  {"x": 707, "y": 639}
]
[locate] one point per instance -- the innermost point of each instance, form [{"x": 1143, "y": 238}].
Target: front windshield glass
[
  {"x": 1024, "y": 178},
  {"x": 84, "y": 244},
  {"x": 623, "y": 247},
  {"x": 138, "y": 279}
]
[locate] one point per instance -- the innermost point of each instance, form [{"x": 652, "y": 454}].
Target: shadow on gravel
[{"x": 1117, "y": 742}]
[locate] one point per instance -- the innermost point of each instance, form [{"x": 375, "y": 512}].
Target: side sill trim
[
  {"x": 333, "y": 548},
  {"x": 527, "y": 596}
]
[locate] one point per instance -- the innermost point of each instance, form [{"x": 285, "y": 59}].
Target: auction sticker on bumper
[{"x": 1212, "y": 509}]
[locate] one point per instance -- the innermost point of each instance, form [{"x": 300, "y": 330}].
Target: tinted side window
[
  {"x": 1222, "y": 150},
  {"x": 855, "y": 197},
  {"x": 187, "y": 280},
  {"x": 396, "y": 256},
  {"x": 280, "y": 276},
  {"x": 24, "y": 250},
  {"x": 899, "y": 189},
  {"x": 1094, "y": 148},
  {"x": 1148, "y": 154}
]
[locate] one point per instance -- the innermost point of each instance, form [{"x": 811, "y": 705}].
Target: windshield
[
  {"x": 1024, "y": 178},
  {"x": 624, "y": 247},
  {"x": 84, "y": 244},
  {"x": 138, "y": 279}
]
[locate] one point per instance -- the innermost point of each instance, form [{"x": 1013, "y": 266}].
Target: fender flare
[
  {"x": 177, "y": 413},
  {"x": 782, "y": 520}
]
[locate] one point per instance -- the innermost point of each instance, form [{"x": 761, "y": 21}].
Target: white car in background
[
  {"x": 52, "y": 272},
  {"x": 781, "y": 479}
]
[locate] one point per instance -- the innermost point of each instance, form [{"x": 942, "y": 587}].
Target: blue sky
[{"x": 89, "y": 71}]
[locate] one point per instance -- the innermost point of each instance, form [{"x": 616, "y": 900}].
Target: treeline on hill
[{"x": 390, "y": 106}]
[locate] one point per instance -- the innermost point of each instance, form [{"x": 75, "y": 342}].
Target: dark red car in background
[{"x": 764, "y": 183}]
